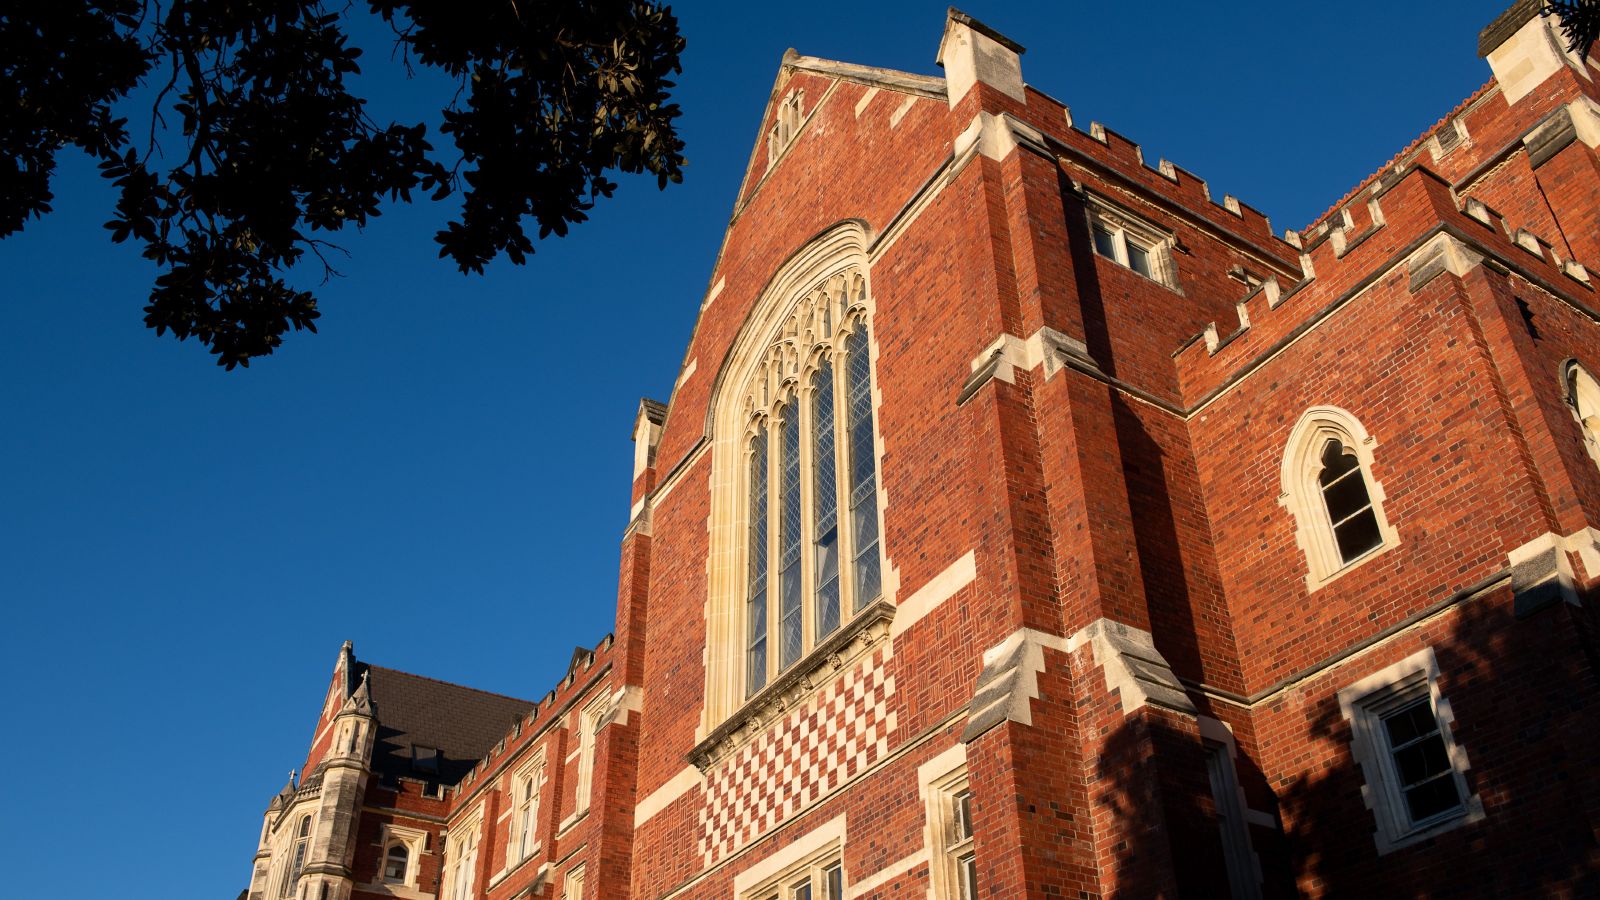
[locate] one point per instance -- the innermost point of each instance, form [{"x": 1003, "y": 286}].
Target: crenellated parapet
[{"x": 1395, "y": 224}]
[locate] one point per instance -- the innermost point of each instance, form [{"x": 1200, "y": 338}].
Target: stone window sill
[{"x": 796, "y": 684}]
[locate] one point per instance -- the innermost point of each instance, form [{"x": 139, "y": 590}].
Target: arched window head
[
  {"x": 1329, "y": 489},
  {"x": 396, "y": 863},
  {"x": 1583, "y": 396},
  {"x": 809, "y": 412},
  {"x": 795, "y": 520}
]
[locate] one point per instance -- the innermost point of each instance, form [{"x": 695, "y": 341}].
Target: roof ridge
[
  {"x": 1427, "y": 133},
  {"x": 449, "y": 683}
]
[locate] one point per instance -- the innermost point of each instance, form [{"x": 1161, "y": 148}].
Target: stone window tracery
[
  {"x": 795, "y": 448},
  {"x": 796, "y": 501}
]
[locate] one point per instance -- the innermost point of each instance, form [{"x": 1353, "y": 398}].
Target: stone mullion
[{"x": 849, "y": 603}]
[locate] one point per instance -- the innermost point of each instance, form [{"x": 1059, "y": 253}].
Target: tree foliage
[
  {"x": 1580, "y": 19},
  {"x": 277, "y": 152}
]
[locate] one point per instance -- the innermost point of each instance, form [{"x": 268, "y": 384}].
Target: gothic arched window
[
  {"x": 1583, "y": 395},
  {"x": 1329, "y": 488},
  {"x": 297, "y": 858},
  {"x": 396, "y": 863},
  {"x": 809, "y": 414},
  {"x": 796, "y": 561},
  {"x": 1349, "y": 506}
]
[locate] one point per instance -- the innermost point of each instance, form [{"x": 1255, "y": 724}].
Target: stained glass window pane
[
  {"x": 863, "y": 469},
  {"x": 756, "y": 607},
  {"x": 789, "y": 537},
  {"x": 825, "y": 499}
]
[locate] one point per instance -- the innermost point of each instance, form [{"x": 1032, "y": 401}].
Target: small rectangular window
[
  {"x": 1422, "y": 762},
  {"x": 953, "y": 868},
  {"x": 425, "y": 759},
  {"x": 1130, "y": 243},
  {"x": 833, "y": 878},
  {"x": 1400, "y": 737},
  {"x": 818, "y": 877}
]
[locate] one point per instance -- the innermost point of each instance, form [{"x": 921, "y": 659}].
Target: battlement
[
  {"x": 1390, "y": 223},
  {"x": 545, "y": 713},
  {"x": 1107, "y": 152}
]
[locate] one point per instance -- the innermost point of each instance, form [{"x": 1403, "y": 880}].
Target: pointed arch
[
  {"x": 795, "y": 548},
  {"x": 1583, "y": 399},
  {"x": 1328, "y": 487}
]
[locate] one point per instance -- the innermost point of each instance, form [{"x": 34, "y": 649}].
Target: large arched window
[
  {"x": 796, "y": 555},
  {"x": 1583, "y": 396},
  {"x": 810, "y": 418},
  {"x": 1329, "y": 489}
]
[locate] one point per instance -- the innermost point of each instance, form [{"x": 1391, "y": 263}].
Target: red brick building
[{"x": 1024, "y": 523}]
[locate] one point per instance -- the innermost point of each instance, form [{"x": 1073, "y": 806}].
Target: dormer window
[{"x": 425, "y": 759}]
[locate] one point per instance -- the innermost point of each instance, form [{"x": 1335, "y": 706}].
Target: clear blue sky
[{"x": 441, "y": 474}]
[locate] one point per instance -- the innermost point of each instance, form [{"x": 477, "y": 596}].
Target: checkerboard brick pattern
[{"x": 834, "y": 736}]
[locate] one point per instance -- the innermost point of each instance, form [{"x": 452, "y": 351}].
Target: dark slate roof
[{"x": 462, "y": 723}]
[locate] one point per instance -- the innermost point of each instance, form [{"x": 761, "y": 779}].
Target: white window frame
[
  {"x": 810, "y": 873},
  {"x": 461, "y": 859},
  {"x": 572, "y": 885},
  {"x": 588, "y": 733},
  {"x": 524, "y": 832},
  {"x": 413, "y": 840},
  {"x": 1302, "y": 493},
  {"x": 948, "y": 849},
  {"x": 786, "y": 125},
  {"x": 1233, "y": 811},
  {"x": 805, "y": 302},
  {"x": 1126, "y": 228},
  {"x": 1452, "y": 137},
  {"x": 289, "y": 877},
  {"x": 1364, "y": 704}
]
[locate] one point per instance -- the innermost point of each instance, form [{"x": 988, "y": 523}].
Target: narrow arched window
[
  {"x": 297, "y": 858},
  {"x": 756, "y": 605},
  {"x": 825, "y": 500},
  {"x": 863, "y": 470},
  {"x": 790, "y": 627},
  {"x": 395, "y": 864},
  {"x": 1344, "y": 493},
  {"x": 1328, "y": 486},
  {"x": 796, "y": 554},
  {"x": 809, "y": 440},
  {"x": 1583, "y": 395}
]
